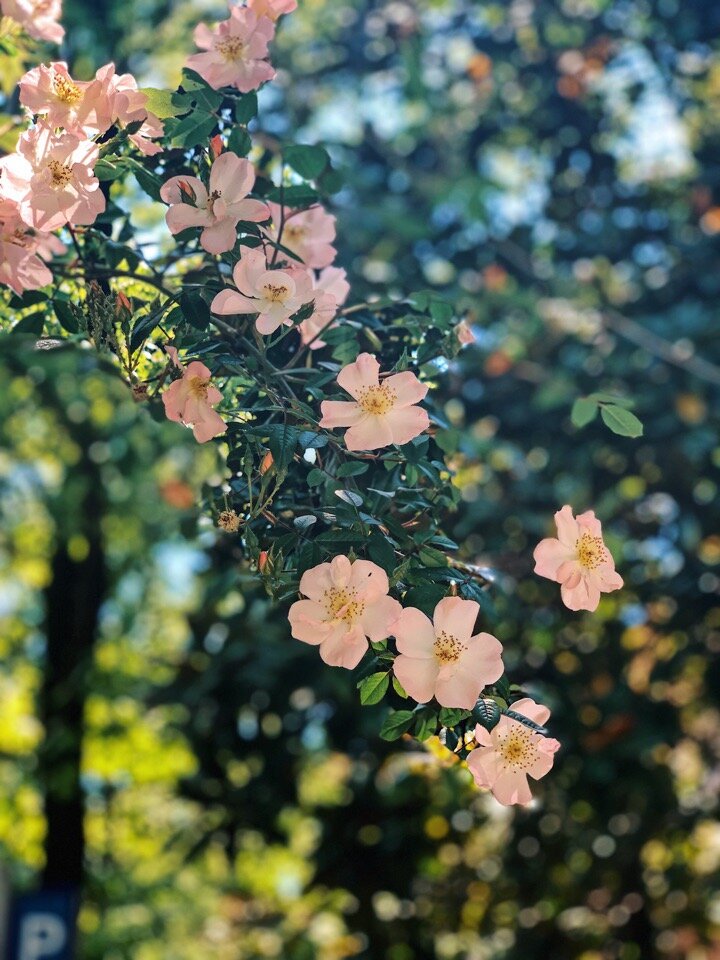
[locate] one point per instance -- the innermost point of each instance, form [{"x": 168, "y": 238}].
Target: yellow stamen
[
  {"x": 448, "y": 648},
  {"x": 343, "y": 604},
  {"x": 198, "y": 388},
  {"x": 591, "y": 551},
  {"x": 377, "y": 400},
  {"x": 60, "y": 173},
  {"x": 65, "y": 90},
  {"x": 517, "y": 748},
  {"x": 231, "y": 48}
]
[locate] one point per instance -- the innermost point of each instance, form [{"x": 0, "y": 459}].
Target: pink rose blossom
[
  {"x": 39, "y": 18},
  {"x": 235, "y": 51},
  {"x": 191, "y": 400},
  {"x": 127, "y": 104},
  {"x": 21, "y": 249},
  {"x": 218, "y": 213},
  {"x": 347, "y": 603},
  {"x": 81, "y": 107},
  {"x": 510, "y": 752},
  {"x": 51, "y": 179},
  {"x": 275, "y": 295},
  {"x": 463, "y": 331},
  {"x": 578, "y": 559},
  {"x": 331, "y": 291},
  {"x": 306, "y": 233},
  {"x": 272, "y": 8},
  {"x": 442, "y": 658},
  {"x": 382, "y": 413}
]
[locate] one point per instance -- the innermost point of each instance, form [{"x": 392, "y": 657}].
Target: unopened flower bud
[
  {"x": 267, "y": 462},
  {"x": 216, "y": 146},
  {"x": 262, "y": 561}
]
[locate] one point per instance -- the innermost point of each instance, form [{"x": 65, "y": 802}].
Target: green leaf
[
  {"x": 451, "y": 716},
  {"x": 584, "y": 410},
  {"x": 149, "y": 183},
  {"x": 246, "y": 108},
  {"x": 487, "y": 713},
  {"x": 396, "y": 724},
  {"x": 66, "y": 316},
  {"x": 294, "y": 197},
  {"x": 316, "y": 477},
  {"x": 142, "y": 329},
  {"x": 32, "y": 324},
  {"x": 194, "y": 130},
  {"x": 611, "y": 398},
  {"x": 621, "y": 421},
  {"x": 161, "y": 102},
  {"x": 352, "y": 469},
  {"x": 373, "y": 688},
  {"x": 239, "y": 141},
  {"x": 426, "y": 723},
  {"x": 398, "y": 688},
  {"x": 194, "y": 309},
  {"x": 105, "y": 170},
  {"x": 526, "y": 721},
  {"x": 381, "y": 551},
  {"x": 308, "y": 161},
  {"x": 282, "y": 441}
]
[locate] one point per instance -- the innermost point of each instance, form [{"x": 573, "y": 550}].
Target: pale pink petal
[
  {"x": 371, "y": 433},
  {"x": 609, "y": 580},
  {"x": 582, "y": 596},
  {"x": 549, "y": 556},
  {"x": 315, "y": 582},
  {"x": 406, "y": 423},
  {"x": 567, "y": 527},
  {"x": 174, "y": 400},
  {"x": 511, "y": 788},
  {"x": 305, "y": 618},
  {"x": 369, "y": 579},
  {"x": 456, "y": 617},
  {"x": 483, "y": 658},
  {"x": 232, "y": 176},
  {"x": 416, "y": 676},
  {"x": 415, "y": 634},
  {"x": 341, "y": 571},
  {"x": 182, "y": 215},
  {"x": 340, "y": 413},
  {"x": 250, "y": 211},
  {"x": 533, "y": 711},
  {"x": 228, "y": 302},
  {"x": 344, "y": 648},
  {"x": 209, "y": 425},
  {"x": 379, "y": 617},
  {"x": 407, "y": 387},
  {"x": 458, "y": 689},
  {"x": 219, "y": 237},
  {"x": 357, "y": 376},
  {"x": 588, "y": 523}
]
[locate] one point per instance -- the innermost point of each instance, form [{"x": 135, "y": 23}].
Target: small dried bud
[
  {"x": 267, "y": 462},
  {"x": 140, "y": 392},
  {"x": 229, "y": 521}
]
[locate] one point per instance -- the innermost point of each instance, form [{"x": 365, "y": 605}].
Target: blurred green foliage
[{"x": 552, "y": 168}]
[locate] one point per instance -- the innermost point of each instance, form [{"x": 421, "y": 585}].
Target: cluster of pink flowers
[
  {"x": 48, "y": 182},
  {"x": 346, "y": 604},
  {"x": 38, "y": 18},
  {"x": 234, "y": 53}
]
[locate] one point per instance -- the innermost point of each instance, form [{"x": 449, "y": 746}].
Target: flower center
[
  {"x": 276, "y": 293},
  {"x": 343, "y": 605},
  {"x": 215, "y": 195},
  {"x": 590, "y": 550},
  {"x": 198, "y": 388},
  {"x": 65, "y": 90},
  {"x": 377, "y": 400},
  {"x": 293, "y": 233},
  {"x": 60, "y": 173},
  {"x": 231, "y": 48},
  {"x": 517, "y": 749},
  {"x": 447, "y": 647}
]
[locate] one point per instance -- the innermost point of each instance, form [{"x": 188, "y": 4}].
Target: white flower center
[
  {"x": 276, "y": 292},
  {"x": 590, "y": 551},
  {"x": 377, "y": 400}
]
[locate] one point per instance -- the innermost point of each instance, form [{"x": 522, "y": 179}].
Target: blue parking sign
[{"x": 42, "y": 925}]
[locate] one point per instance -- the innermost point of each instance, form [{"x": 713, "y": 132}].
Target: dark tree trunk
[{"x": 73, "y": 601}]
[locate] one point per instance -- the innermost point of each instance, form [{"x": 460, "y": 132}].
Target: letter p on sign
[{"x": 42, "y": 936}]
